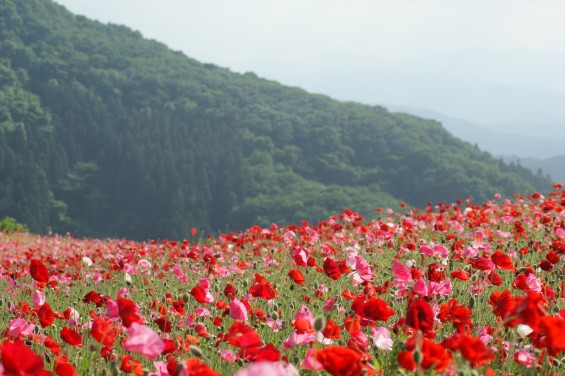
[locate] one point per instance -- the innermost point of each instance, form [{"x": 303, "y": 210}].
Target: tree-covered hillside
[{"x": 104, "y": 133}]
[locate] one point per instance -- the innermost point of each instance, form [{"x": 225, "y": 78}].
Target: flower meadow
[{"x": 452, "y": 289}]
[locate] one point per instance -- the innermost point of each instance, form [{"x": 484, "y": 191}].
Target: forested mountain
[{"x": 104, "y": 133}]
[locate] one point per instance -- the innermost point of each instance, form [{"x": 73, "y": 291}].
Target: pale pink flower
[
  {"x": 525, "y": 358},
  {"x": 268, "y": 368},
  {"x": 144, "y": 266},
  {"x": 202, "y": 312},
  {"x": 38, "y": 298},
  {"x": 161, "y": 369},
  {"x": 381, "y": 338},
  {"x": 228, "y": 356},
  {"x": 533, "y": 283},
  {"x": 298, "y": 339},
  {"x": 143, "y": 340},
  {"x": 309, "y": 362},
  {"x": 19, "y": 327},
  {"x": 444, "y": 288},
  {"x": 238, "y": 310},
  {"x": 304, "y": 313}
]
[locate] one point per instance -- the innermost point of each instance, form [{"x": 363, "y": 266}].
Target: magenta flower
[{"x": 268, "y": 368}]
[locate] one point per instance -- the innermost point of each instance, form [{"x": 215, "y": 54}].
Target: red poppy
[
  {"x": 262, "y": 288},
  {"x": 502, "y": 302},
  {"x": 471, "y": 348},
  {"x": 331, "y": 268},
  {"x": 194, "y": 367},
  {"x": 551, "y": 335},
  {"x": 340, "y": 361},
  {"x": 420, "y": 316},
  {"x": 18, "y": 359},
  {"x": 94, "y": 297},
  {"x": 460, "y": 275},
  {"x": 377, "y": 310},
  {"x": 71, "y": 336},
  {"x": 46, "y": 315},
  {"x": 128, "y": 311},
  {"x": 529, "y": 311},
  {"x": 243, "y": 336},
  {"x": 103, "y": 331},
  {"x": 199, "y": 294},
  {"x": 64, "y": 368},
  {"x": 268, "y": 353},
  {"x": 459, "y": 315},
  {"x": 38, "y": 271},
  {"x": 502, "y": 261},
  {"x": 297, "y": 276},
  {"x": 229, "y": 291},
  {"x": 164, "y": 324},
  {"x": 432, "y": 356},
  {"x": 52, "y": 345},
  {"x": 332, "y": 330}
]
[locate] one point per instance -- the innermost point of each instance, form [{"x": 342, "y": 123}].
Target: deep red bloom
[
  {"x": 297, "y": 276},
  {"x": 551, "y": 335},
  {"x": 128, "y": 311},
  {"x": 94, "y": 297},
  {"x": 262, "y": 288},
  {"x": 103, "y": 331},
  {"x": 194, "y": 367},
  {"x": 243, "y": 336},
  {"x": 199, "y": 294},
  {"x": 46, "y": 315},
  {"x": 433, "y": 356},
  {"x": 502, "y": 302},
  {"x": 460, "y": 275},
  {"x": 529, "y": 311},
  {"x": 331, "y": 268},
  {"x": 229, "y": 291},
  {"x": 340, "y": 361},
  {"x": 257, "y": 354},
  {"x": 71, "y": 336},
  {"x": 471, "y": 348},
  {"x": 552, "y": 257},
  {"x": 459, "y": 315},
  {"x": 502, "y": 261},
  {"x": 377, "y": 310},
  {"x": 420, "y": 316},
  {"x": 38, "y": 271},
  {"x": 164, "y": 324},
  {"x": 64, "y": 368},
  {"x": 332, "y": 330},
  {"x": 18, "y": 359},
  {"x": 52, "y": 345}
]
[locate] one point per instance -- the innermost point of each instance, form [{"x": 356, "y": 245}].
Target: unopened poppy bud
[
  {"x": 417, "y": 357},
  {"x": 196, "y": 351},
  {"x": 275, "y": 315},
  {"x": 245, "y": 283},
  {"x": 472, "y": 302},
  {"x": 474, "y": 277},
  {"x": 240, "y": 362},
  {"x": 185, "y": 297},
  {"x": 319, "y": 323}
]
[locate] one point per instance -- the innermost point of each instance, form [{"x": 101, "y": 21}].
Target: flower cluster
[{"x": 446, "y": 289}]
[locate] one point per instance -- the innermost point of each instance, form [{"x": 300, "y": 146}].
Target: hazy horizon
[{"x": 499, "y": 64}]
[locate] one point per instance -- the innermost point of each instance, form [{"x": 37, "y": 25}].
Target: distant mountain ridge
[
  {"x": 105, "y": 133},
  {"x": 495, "y": 142}
]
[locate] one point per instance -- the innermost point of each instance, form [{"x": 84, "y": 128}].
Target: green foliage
[
  {"x": 10, "y": 225},
  {"x": 104, "y": 133}
]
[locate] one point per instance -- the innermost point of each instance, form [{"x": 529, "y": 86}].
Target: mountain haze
[{"x": 105, "y": 133}]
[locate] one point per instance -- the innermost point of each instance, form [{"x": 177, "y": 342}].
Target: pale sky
[{"x": 468, "y": 44}]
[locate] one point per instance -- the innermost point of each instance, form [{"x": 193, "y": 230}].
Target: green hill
[{"x": 105, "y": 133}]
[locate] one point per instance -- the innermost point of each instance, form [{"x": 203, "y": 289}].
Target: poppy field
[{"x": 454, "y": 289}]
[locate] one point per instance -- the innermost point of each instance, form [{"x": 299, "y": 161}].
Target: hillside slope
[{"x": 104, "y": 133}]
